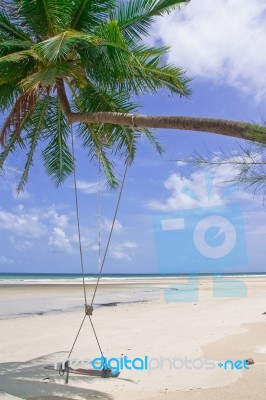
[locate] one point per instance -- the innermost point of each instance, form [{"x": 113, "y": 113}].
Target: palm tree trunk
[
  {"x": 225, "y": 127},
  {"x": 236, "y": 129}
]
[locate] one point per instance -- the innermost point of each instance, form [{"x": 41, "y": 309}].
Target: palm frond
[
  {"x": 166, "y": 76},
  {"x": 11, "y": 145},
  {"x": 13, "y": 46},
  {"x": 124, "y": 141},
  {"x": 152, "y": 73},
  {"x": 136, "y": 16},
  {"x": 16, "y": 66},
  {"x": 58, "y": 46},
  {"x": 13, "y": 73},
  {"x": 23, "y": 105},
  {"x": 93, "y": 98},
  {"x": 11, "y": 31},
  {"x": 17, "y": 56},
  {"x": 114, "y": 45},
  {"x": 97, "y": 150},
  {"x": 45, "y": 17},
  {"x": 57, "y": 158},
  {"x": 96, "y": 140},
  {"x": 153, "y": 141},
  {"x": 87, "y": 14},
  {"x": 47, "y": 75},
  {"x": 141, "y": 71},
  {"x": 8, "y": 94},
  {"x": 34, "y": 131},
  {"x": 108, "y": 168}
]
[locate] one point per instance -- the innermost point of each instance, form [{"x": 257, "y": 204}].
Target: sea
[
  {"x": 21, "y": 296},
  {"x": 71, "y": 278}
]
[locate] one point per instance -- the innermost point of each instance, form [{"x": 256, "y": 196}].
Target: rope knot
[{"x": 88, "y": 309}]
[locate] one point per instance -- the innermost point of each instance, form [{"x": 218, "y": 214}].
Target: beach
[{"x": 183, "y": 341}]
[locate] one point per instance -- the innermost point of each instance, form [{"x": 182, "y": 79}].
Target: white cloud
[
  {"x": 5, "y": 260},
  {"x": 200, "y": 189},
  {"x": 56, "y": 219},
  {"x": 120, "y": 255},
  {"x": 181, "y": 163},
  {"x": 123, "y": 250},
  {"x": 222, "y": 40},
  {"x": 59, "y": 241},
  {"x": 64, "y": 237},
  {"x": 120, "y": 251},
  {"x": 21, "y": 222},
  {"x": 95, "y": 247},
  {"x": 59, "y": 230},
  {"x": 87, "y": 187},
  {"x": 130, "y": 245},
  {"x": 9, "y": 181},
  {"x": 20, "y": 245},
  {"x": 85, "y": 239},
  {"x": 107, "y": 224}
]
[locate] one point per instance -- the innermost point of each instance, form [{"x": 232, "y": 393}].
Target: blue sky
[{"x": 222, "y": 50}]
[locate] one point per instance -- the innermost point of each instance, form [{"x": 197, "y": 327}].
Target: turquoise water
[{"x": 38, "y": 276}]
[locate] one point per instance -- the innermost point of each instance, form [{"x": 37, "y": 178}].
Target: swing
[{"x": 88, "y": 311}]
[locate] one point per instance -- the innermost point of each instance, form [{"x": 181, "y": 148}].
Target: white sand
[{"x": 216, "y": 329}]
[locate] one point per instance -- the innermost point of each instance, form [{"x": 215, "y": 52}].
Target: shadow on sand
[{"x": 29, "y": 380}]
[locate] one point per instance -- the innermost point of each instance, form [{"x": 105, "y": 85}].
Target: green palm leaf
[
  {"x": 96, "y": 148},
  {"x": 16, "y": 66},
  {"x": 17, "y": 56},
  {"x": 59, "y": 46},
  {"x": 34, "y": 129},
  {"x": 58, "y": 160},
  {"x": 136, "y": 16},
  {"x": 9, "y": 30},
  {"x": 47, "y": 75},
  {"x": 45, "y": 17},
  {"x": 12, "y": 46},
  {"x": 8, "y": 95},
  {"x": 86, "y": 14}
]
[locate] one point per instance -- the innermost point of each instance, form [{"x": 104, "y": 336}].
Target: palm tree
[{"x": 83, "y": 61}]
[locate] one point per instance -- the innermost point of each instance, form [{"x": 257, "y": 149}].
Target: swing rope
[
  {"x": 110, "y": 234},
  {"x": 77, "y": 216},
  {"x": 76, "y": 338},
  {"x": 89, "y": 308},
  {"x": 99, "y": 214}
]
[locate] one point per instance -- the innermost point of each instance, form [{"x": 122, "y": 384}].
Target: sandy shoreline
[{"x": 211, "y": 329}]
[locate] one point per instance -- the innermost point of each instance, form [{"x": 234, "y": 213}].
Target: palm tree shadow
[{"x": 29, "y": 380}]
